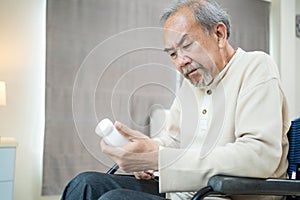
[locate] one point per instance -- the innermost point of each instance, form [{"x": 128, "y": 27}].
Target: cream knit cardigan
[{"x": 236, "y": 126}]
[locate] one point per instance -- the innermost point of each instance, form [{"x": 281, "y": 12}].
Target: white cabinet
[{"x": 7, "y": 167}]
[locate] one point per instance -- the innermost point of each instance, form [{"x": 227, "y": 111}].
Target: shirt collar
[{"x": 222, "y": 73}]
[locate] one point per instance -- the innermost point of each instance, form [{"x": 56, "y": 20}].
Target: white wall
[
  {"x": 284, "y": 50},
  {"x": 22, "y": 66}
]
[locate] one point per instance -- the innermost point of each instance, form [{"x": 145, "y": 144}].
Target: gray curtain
[{"x": 105, "y": 59}]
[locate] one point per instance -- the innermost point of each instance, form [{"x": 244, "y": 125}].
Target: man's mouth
[{"x": 191, "y": 72}]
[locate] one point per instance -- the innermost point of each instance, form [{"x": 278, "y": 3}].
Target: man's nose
[{"x": 182, "y": 61}]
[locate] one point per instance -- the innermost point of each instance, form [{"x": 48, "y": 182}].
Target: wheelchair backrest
[{"x": 294, "y": 150}]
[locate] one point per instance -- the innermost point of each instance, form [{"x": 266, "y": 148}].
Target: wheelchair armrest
[
  {"x": 247, "y": 186},
  {"x": 233, "y": 185}
]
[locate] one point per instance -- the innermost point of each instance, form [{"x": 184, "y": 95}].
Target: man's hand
[
  {"x": 139, "y": 154},
  {"x": 149, "y": 174}
]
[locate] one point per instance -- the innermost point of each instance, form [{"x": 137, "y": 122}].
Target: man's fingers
[
  {"x": 142, "y": 175},
  {"x": 110, "y": 150},
  {"x": 137, "y": 175},
  {"x": 104, "y": 147},
  {"x": 128, "y": 132},
  {"x": 123, "y": 129}
]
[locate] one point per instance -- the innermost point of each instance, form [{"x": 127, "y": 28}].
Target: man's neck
[{"x": 227, "y": 53}]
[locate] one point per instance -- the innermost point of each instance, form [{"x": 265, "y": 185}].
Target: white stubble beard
[{"x": 206, "y": 76}]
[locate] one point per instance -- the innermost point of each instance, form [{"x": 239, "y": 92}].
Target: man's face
[{"x": 190, "y": 48}]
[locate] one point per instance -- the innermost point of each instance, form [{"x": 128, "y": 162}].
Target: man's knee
[
  {"x": 116, "y": 194},
  {"x": 82, "y": 186},
  {"x": 88, "y": 178},
  {"x": 126, "y": 194}
]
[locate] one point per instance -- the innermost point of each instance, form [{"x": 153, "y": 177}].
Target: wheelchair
[{"x": 234, "y": 185}]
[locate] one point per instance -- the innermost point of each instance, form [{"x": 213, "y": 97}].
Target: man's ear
[{"x": 221, "y": 33}]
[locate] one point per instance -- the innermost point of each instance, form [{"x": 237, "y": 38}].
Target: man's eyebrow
[
  {"x": 183, "y": 38},
  {"x": 168, "y": 49}
]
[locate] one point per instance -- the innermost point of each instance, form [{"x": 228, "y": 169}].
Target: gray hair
[{"x": 207, "y": 13}]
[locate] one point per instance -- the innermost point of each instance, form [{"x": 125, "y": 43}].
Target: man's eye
[
  {"x": 187, "y": 46},
  {"x": 173, "y": 55}
]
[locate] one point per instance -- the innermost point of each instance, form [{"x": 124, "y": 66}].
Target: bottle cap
[{"x": 104, "y": 127}]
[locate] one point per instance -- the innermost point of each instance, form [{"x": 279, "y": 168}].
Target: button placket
[
  {"x": 204, "y": 110},
  {"x": 209, "y": 92}
]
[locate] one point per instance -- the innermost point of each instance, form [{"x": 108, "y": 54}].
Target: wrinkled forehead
[
  {"x": 173, "y": 39},
  {"x": 179, "y": 24}
]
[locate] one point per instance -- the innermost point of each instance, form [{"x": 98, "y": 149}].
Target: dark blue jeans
[{"x": 96, "y": 185}]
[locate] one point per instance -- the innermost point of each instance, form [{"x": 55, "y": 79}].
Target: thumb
[{"x": 128, "y": 132}]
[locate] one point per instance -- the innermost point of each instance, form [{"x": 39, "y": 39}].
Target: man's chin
[
  {"x": 197, "y": 84},
  {"x": 200, "y": 84}
]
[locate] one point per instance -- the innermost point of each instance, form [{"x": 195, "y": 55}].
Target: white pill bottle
[{"x": 108, "y": 131}]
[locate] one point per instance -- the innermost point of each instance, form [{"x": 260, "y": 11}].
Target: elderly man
[{"x": 230, "y": 117}]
